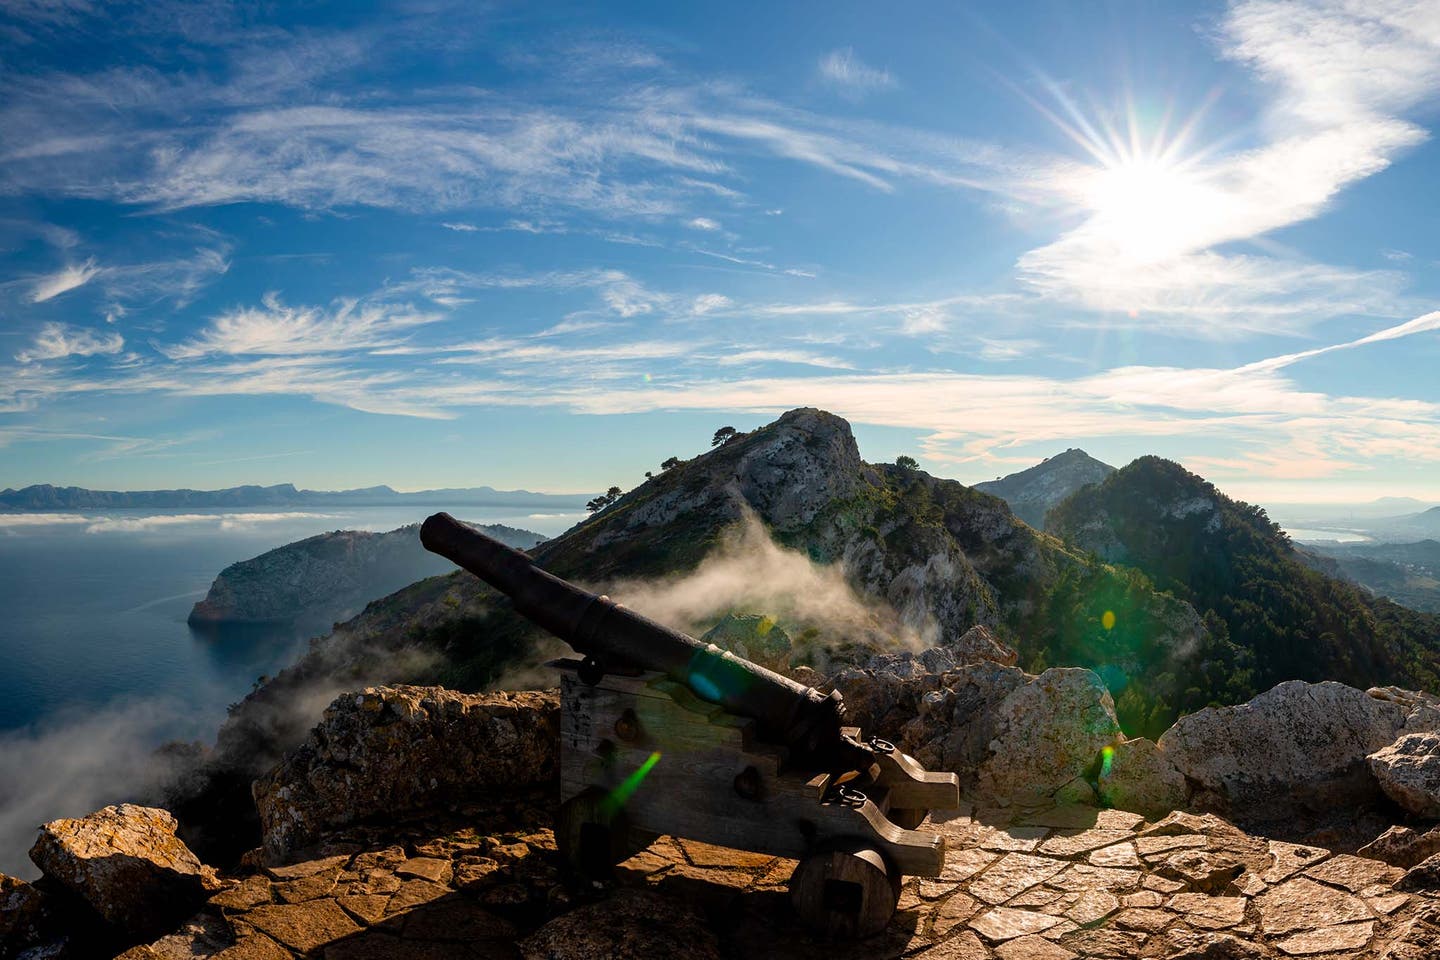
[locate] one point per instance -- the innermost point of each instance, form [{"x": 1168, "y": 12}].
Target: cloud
[
  {"x": 1158, "y": 212},
  {"x": 274, "y": 329},
  {"x": 57, "y": 340},
  {"x": 62, "y": 281},
  {"x": 707, "y": 302},
  {"x": 460, "y": 227},
  {"x": 703, "y": 223},
  {"x": 841, "y": 68}
]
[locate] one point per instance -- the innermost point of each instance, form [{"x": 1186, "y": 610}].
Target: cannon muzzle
[{"x": 788, "y": 713}]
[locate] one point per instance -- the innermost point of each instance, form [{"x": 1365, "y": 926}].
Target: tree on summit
[
  {"x": 723, "y": 436},
  {"x": 906, "y": 462},
  {"x": 604, "y": 500}
]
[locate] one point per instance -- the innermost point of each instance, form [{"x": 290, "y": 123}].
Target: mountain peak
[{"x": 1032, "y": 492}]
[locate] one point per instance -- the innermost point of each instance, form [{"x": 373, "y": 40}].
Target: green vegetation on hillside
[{"x": 1229, "y": 561}]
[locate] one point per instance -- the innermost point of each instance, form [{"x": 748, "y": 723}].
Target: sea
[{"x": 97, "y": 663}]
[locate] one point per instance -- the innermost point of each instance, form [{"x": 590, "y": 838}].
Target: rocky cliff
[
  {"x": 329, "y": 577},
  {"x": 1032, "y": 492}
]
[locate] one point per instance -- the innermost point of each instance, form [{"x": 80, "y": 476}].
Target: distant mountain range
[
  {"x": 47, "y": 497},
  {"x": 1033, "y": 492}
]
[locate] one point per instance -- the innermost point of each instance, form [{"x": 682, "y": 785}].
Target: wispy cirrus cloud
[
  {"x": 57, "y": 340},
  {"x": 275, "y": 329},
  {"x": 842, "y": 69},
  {"x": 64, "y": 280}
]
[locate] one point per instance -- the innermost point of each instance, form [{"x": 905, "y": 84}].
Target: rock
[
  {"x": 1183, "y": 943},
  {"x": 1402, "y": 846},
  {"x": 126, "y": 862},
  {"x": 1423, "y": 877},
  {"x": 1314, "y": 738},
  {"x": 908, "y": 664},
  {"x": 1301, "y": 905},
  {"x": 389, "y": 751},
  {"x": 632, "y": 925},
  {"x": 954, "y": 719},
  {"x": 1409, "y": 772},
  {"x": 752, "y": 637},
  {"x": 22, "y": 914},
  {"x": 977, "y": 644},
  {"x": 1047, "y": 733},
  {"x": 1136, "y": 776}
]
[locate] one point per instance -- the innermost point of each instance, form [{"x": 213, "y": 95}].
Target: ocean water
[{"x": 93, "y": 605}]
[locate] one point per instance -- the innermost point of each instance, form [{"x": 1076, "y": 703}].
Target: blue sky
[{"x": 432, "y": 244}]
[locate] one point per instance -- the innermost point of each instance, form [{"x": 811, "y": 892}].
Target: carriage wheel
[{"x": 847, "y": 891}]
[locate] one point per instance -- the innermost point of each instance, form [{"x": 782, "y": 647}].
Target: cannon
[{"x": 664, "y": 734}]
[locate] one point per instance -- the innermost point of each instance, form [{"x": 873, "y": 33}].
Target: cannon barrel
[{"x": 801, "y": 718}]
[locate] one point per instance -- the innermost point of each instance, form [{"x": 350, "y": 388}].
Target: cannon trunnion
[{"x": 664, "y": 735}]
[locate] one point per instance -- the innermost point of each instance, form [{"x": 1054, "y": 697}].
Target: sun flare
[{"x": 1149, "y": 209}]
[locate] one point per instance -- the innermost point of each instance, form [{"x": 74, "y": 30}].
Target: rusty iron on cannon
[{"x": 664, "y": 734}]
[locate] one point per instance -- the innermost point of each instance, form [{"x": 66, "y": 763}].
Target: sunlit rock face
[
  {"x": 1048, "y": 733},
  {"x": 1032, "y": 492},
  {"x": 1409, "y": 772},
  {"x": 1298, "y": 744},
  {"x": 388, "y": 751},
  {"x": 127, "y": 864}
]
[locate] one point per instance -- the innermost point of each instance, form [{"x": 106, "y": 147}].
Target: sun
[
  {"x": 1148, "y": 208},
  {"x": 1147, "y": 193}
]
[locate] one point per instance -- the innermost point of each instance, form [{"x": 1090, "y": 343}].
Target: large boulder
[
  {"x": 1297, "y": 744},
  {"x": 977, "y": 644},
  {"x": 127, "y": 864},
  {"x": 1409, "y": 772},
  {"x": 392, "y": 751},
  {"x": 1134, "y": 775},
  {"x": 1048, "y": 733}
]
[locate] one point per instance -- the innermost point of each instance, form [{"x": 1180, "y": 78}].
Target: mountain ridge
[
  {"x": 1034, "y": 491},
  {"x": 46, "y": 496}
]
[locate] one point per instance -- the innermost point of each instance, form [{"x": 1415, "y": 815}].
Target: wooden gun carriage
[{"x": 662, "y": 734}]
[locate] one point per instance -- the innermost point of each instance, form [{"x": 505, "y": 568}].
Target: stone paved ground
[{"x": 1018, "y": 885}]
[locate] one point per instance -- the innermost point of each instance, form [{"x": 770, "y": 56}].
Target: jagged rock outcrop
[
  {"x": 1032, "y": 492},
  {"x": 1298, "y": 744},
  {"x": 1047, "y": 734},
  {"x": 954, "y": 722},
  {"x": 127, "y": 864},
  {"x": 330, "y": 576},
  {"x": 752, "y": 637},
  {"x": 1403, "y": 847},
  {"x": 1409, "y": 772},
  {"x": 980, "y": 643},
  {"x": 389, "y": 751}
]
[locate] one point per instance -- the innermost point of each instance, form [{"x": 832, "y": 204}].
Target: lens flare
[
  {"x": 622, "y": 793},
  {"x": 1107, "y": 619}
]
